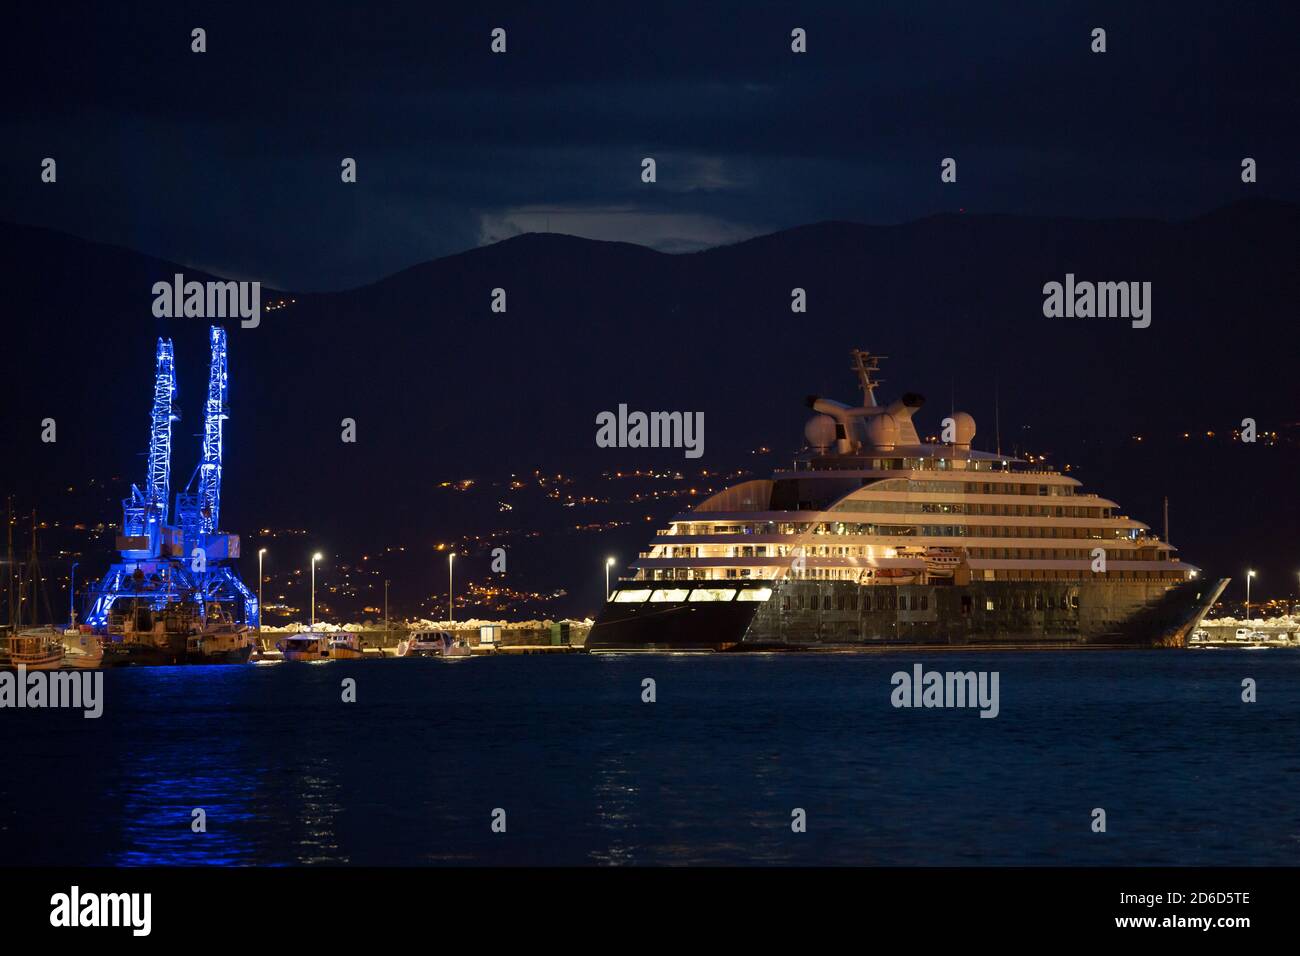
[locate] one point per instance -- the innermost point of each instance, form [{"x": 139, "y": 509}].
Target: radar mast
[{"x": 867, "y": 366}]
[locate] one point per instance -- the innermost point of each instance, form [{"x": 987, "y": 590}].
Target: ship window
[
  {"x": 632, "y": 597},
  {"x": 713, "y": 594},
  {"x": 669, "y": 594},
  {"x": 757, "y": 594}
]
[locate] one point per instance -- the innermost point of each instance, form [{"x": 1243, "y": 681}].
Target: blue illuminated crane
[
  {"x": 216, "y": 411},
  {"x": 188, "y": 562},
  {"x": 145, "y": 513}
]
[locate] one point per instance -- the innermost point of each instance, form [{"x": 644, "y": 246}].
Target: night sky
[{"x": 229, "y": 160}]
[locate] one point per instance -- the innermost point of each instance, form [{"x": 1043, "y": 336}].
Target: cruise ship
[{"x": 876, "y": 539}]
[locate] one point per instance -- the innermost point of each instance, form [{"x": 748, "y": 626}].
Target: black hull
[
  {"x": 237, "y": 656},
  {"x": 826, "y": 615},
  {"x": 122, "y": 654}
]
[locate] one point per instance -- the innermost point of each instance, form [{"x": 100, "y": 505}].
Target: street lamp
[
  {"x": 609, "y": 563},
  {"x": 260, "y": 552},
  {"x": 314, "y": 558},
  {"x": 1249, "y": 575},
  {"x": 72, "y": 598},
  {"x": 451, "y": 610}
]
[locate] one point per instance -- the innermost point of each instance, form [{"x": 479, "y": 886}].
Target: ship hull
[
  {"x": 826, "y": 615},
  {"x": 234, "y": 655}
]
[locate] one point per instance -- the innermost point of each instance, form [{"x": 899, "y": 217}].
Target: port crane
[{"x": 189, "y": 559}]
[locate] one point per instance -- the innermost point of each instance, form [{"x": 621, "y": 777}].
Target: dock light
[
  {"x": 72, "y": 597},
  {"x": 1249, "y": 575},
  {"x": 260, "y": 552},
  {"x": 451, "y": 610},
  {"x": 609, "y": 563},
  {"x": 314, "y": 558}
]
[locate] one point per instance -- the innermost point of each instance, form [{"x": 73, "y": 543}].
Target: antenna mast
[{"x": 867, "y": 365}]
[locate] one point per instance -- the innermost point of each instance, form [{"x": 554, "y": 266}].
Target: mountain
[{"x": 441, "y": 387}]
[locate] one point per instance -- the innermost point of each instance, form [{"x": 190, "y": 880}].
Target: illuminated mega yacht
[{"x": 874, "y": 538}]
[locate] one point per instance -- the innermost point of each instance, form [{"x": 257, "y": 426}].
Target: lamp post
[
  {"x": 260, "y": 552},
  {"x": 609, "y": 563},
  {"x": 72, "y": 598},
  {"x": 314, "y": 558},
  {"x": 385, "y": 613},
  {"x": 451, "y": 610},
  {"x": 1249, "y": 575}
]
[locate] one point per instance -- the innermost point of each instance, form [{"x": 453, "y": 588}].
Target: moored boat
[
  {"x": 305, "y": 646},
  {"x": 36, "y": 649},
  {"x": 443, "y": 645},
  {"x": 875, "y": 538},
  {"x": 346, "y": 647}
]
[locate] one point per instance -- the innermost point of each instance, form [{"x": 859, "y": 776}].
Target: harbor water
[{"x": 565, "y": 754}]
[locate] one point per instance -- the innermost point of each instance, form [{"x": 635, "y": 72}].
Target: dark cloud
[{"x": 230, "y": 159}]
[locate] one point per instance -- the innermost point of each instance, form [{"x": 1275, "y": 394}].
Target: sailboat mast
[{"x": 9, "y": 561}]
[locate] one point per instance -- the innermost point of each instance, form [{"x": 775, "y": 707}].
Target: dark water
[{"x": 588, "y": 774}]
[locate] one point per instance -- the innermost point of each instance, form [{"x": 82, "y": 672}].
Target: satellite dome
[
  {"x": 964, "y": 429},
  {"x": 882, "y": 431},
  {"x": 820, "y": 431}
]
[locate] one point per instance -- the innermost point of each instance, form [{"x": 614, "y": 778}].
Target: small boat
[
  {"x": 82, "y": 650},
  {"x": 305, "y": 646},
  {"x": 443, "y": 645},
  {"x": 37, "y": 649},
  {"x": 219, "y": 641},
  {"x": 346, "y": 647}
]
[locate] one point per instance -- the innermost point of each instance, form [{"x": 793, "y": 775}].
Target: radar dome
[
  {"x": 882, "y": 431},
  {"x": 820, "y": 431},
  {"x": 964, "y": 429}
]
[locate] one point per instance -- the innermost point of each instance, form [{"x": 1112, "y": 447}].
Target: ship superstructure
[{"x": 875, "y": 537}]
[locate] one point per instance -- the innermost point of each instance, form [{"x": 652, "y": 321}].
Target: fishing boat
[{"x": 219, "y": 641}]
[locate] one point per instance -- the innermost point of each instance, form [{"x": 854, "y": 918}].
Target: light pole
[
  {"x": 385, "y": 613},
  {"x": 451, "y": 610},
  {"x": 609, "y": 563},
  {"x": 260, "y": 552},
  {"x": 314, "y": 558},
  {"x": 1249, "y": 575},
  {"x": 72, "y": 598}
]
